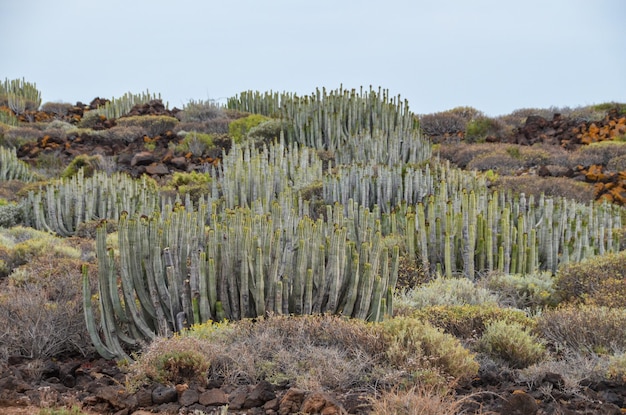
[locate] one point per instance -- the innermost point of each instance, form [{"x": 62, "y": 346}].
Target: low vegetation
[{"x": 322, "y": 242}]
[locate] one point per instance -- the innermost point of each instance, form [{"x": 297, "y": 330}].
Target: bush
[
  {"x": 444, "y": 291},
  {"x": 481, "y": 127},
  {"x": 584, "y": 329},
  {"x": 60, "y": 109},
  {"x": 598, "y": 280},
  {"x": 416, "y": 346},
  {"x": 124, "y": 134},
  {"x": 17, "y": 136},
  {"x": 195, "y": 143},
  {"x": 238, "y": 129},
  {"x": 267, "y": 132},
  {"x": 550, "y": 186},
  {"x": 512, "y": 343},
  {"x": 198, "y": 111},
  {"x": 11, "y": 214},
  {"x": 617, "y": 367},
  {"x": 469, "y": 321},
  {"x": 154, "y": 125},
  {"x": 194, "y": 184},
  {"x": 617, "y": 164},
  {"x": 417, "y": 400},
  {"x": 89, "y": 164},
  {"x": 41, "y": 306},
  {"x": 522, "y": 291},
  {"x": 598, "y": 153}
]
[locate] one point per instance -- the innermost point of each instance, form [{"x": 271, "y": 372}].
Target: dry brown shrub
[
  {"x": 550, "y": 186},
  {"x": 41, "y": 309},
  {"x": 418, "y": 400},
  {"x": 584, "y": 329},
  {"x": 462, "y": 153},
  {"x": 442, "y": 123},
  {"x": 598, "y": 280},
  {"x": 597, "y": 153},
  {"x": 617, "y": 164},
  {"x": 499, "y": 160},
  {"x": 16, "y": 136},
  {"x": 60, "y": 109},
  {"x": 125, "y": 134}
]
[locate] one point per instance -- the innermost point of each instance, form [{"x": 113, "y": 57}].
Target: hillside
[{"x": 334, "y": 253}]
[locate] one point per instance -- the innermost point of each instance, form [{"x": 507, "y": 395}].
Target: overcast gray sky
[{"x": 494, "y": 55}]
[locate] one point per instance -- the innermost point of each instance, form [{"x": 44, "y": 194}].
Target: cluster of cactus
[
  {"x": 359, "y": 126},
  {"x": 8, "y": 118},
  {"x": 248, "y": 175},
  {"x": 61, "y": 206},
  {"x": 121, "y": 106},
  {"x": 12, "y": 168},
  {"x": 19, "y": 95},
  {"x": 175, "y": 271}
]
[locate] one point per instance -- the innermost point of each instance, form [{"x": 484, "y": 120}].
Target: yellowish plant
[{"x": 512, "y": 343}]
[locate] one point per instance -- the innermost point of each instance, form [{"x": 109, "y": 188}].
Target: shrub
[
  {"x": 498, "y": 160},
  {"x": 444, "y": 291},
  {"x": 468, "y": 321},
  {"x": 195, "y": 143},
  {"x": 41, "y": 307},
  {"x": 598, "y": 153},
  {"x": 267, "y": 132},
  {"x": 462, "y": 154},
  {"x": 584, "y": 329},
  {"x": 522, "y": 291},
  {"x": 17, "y": 136},
  {"x": 597, "y": 280},
  {"x": 125, "y": 134},
  {"x": 481, "y": 127},
  {"x": 617, "y": 367},
  {"x": 154, "y": 125},
  {"x": 238, "y": 129},
  {"x": 172, "y": 361},
  {"x": 512, "y": 343},
  {"x": 194, "y": 184},
  {"x": 60, "y": 109},
  {"x": 199, "y": 111},
  {"x": 442, "y": 124},
  {"x": 550, "y": 186},
  {"x": 617, "y": 164},
  {"x": 416, "y": 346},
  {"x": 417, "y": 400},
  {"x": 11, "y": 214},
  {"x": 312, "y": 352}
]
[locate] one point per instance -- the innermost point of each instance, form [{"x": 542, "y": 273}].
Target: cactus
[{"x": 12, "y": 168}]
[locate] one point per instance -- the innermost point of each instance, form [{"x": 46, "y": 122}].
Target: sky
[{"x": 494, "y": 55}]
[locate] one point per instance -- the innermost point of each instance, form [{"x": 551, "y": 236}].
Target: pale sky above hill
[{"x": 494, "y": 55}]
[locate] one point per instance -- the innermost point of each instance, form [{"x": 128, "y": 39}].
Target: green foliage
[
  {"x": 239, "y": 129},
  {"x": 512, "y": 343},
  {"x": 267, "y": 131},
  {"x": 154, "y": 125},
  {"x": 584, "y": 329},
  {"x": 89, "y": 164},
  {"x": 195, "y": 143},
  {"x": 617, "y": 367},
  {"x": 11, "y": 214},
  {"x": 446, "y": 291},
  {"x": 8, "y": 118},
  {"x": 480, "y": 127},
  {"x": 598, "y": 280},
  {"x": 414, "y": 345},
  {"x": 74, "y": 410},
  {"x": 522, "y": 291},
  {"x": 469, "y": 321},
  {"x": 194, "y": 184}
]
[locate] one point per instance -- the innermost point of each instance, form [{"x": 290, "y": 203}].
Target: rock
[
  {"x": 158, "y": 169},
  {"x": 213, "y": 397},
  {"x": 144, "y": 398},
  {"x": 188, "y": 397},
  {"x": 520, "y": 403},
  {"x": 113, "y": 395},
  {"x": 170, "y": 408},
  {"x": 179, "y": 162},
  {"x": 261, "y": 393},
  {"x": 142, "y": 158},
  {"x": 164, "y": 394},
  {"x": 321, "y": 403},
  {"x": 238, "y": 397},
  {"x": 291, "y": 401},
  {"x": 610, "y": 409},
  {"x": 555, "y": 379}
]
